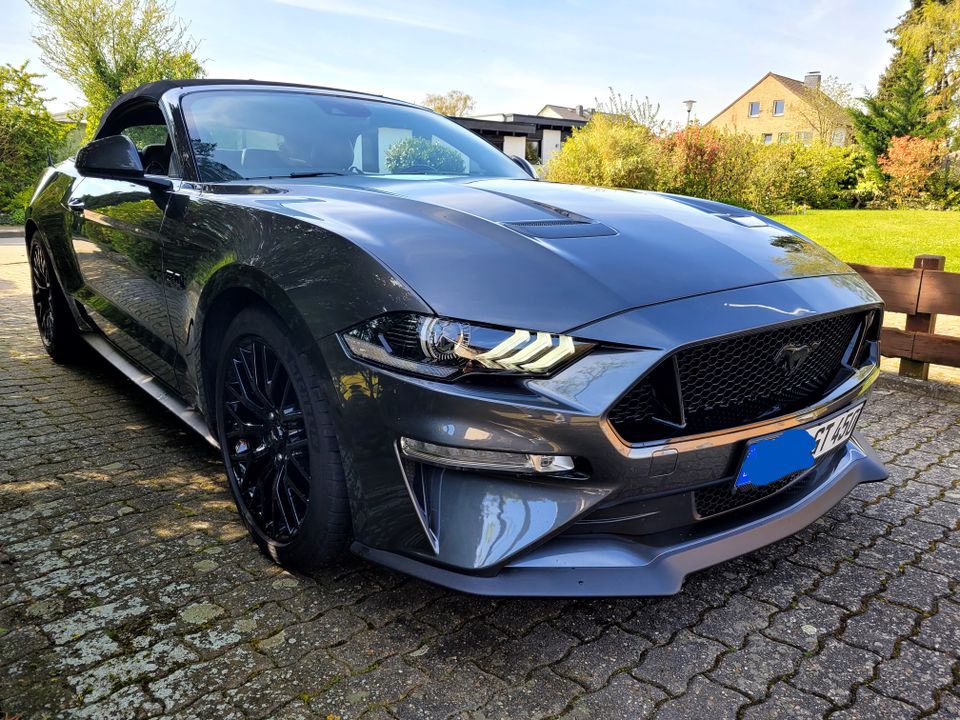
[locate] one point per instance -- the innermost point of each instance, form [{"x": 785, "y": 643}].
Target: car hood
[{"x": 549, "y": 256}]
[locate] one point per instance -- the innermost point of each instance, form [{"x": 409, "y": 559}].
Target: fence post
[{"x": 921, "y": 322}]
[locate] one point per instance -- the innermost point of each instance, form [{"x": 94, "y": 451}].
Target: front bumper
[
  {"x": 623, "y": 523},
  {"x": 612, "y": 566}
]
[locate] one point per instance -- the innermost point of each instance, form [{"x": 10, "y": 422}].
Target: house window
[
  {"x": 839, "y": 137},
  {"x": 806, "y": 137},
  {"x": 783, "y": 138},
  {"x": 754, "y": 109},
  {"x": 767, "y": 138},
  {"x": 778, "y": 107}
]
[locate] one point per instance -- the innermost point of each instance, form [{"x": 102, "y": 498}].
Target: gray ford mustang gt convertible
[{"x": 406, "y": 345}]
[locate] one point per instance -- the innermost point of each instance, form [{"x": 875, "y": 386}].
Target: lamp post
[{"x": 689, "y": 104}]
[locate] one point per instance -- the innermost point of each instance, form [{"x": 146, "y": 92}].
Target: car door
[{"x": 117, "y": 226}]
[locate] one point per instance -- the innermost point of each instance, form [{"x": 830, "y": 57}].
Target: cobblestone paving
[{"x": 128, "y": 589}]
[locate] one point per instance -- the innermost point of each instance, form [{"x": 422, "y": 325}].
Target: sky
[{"x": 514, "y": 56}]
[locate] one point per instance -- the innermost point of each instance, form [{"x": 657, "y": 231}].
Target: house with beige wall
[{"x": 779, "y": 109}]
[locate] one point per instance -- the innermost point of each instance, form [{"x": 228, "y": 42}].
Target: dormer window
[
  {"x": 754, "y": 109},
  {"x": 778, "y": 107}
]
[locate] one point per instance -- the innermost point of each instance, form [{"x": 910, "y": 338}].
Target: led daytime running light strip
[{"x": 504, "y": 355}]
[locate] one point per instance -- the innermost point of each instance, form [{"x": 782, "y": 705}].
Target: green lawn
[{"x": 882, "y": 237}]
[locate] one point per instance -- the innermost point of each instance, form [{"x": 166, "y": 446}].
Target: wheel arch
[
  {"x": 231, "y": 289},
  {"x": 29, "y": 230}
]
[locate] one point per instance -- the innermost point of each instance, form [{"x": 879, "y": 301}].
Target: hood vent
[{"x": 565, "y": 228}]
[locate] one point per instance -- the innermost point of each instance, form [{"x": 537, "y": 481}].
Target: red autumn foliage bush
[{"x": 910, "y": 162}]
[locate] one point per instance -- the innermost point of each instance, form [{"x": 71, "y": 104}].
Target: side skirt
[{"x": 153, "y": 387}]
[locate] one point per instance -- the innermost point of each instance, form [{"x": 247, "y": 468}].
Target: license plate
[{"x": 771, "y": 459}]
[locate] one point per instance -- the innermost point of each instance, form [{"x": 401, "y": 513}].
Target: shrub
[
  {"x": 608, "y": 151},
  {"x": 15, "y": 209},
  {"x": 706, "y": 163},
  {"x": 418, "y": 152},
  {"x": 615, "y": 151},
  {"x": 910, "y": 162},
  {"x": 818, "y": 175}
]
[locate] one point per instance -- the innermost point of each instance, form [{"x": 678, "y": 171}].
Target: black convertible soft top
[{"x": 153, "y": 91}]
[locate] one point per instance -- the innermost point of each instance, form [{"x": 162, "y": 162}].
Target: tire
[
  {"x": 278, "y": 442},
  {"x": 58, "y": 328}
]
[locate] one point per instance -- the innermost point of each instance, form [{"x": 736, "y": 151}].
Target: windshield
[{"x": 243, "y": 134}]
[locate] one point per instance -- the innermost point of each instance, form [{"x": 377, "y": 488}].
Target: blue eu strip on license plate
[{"x": 774, "y": 458}]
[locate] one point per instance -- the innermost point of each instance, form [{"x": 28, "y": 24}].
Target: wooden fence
[{"x": 921, "y": 292}]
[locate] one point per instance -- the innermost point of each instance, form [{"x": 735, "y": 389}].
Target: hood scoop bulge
[{"x": 563, "y": 228}]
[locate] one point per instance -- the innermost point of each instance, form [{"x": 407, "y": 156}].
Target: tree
[
  {"x": 825, "y": 107},
  {"x": 900, "y": 107},
  {"x": 28, "y": 133},
  {"x": 931, "y": 30},
  {"x": 454, "y": 103},
  {"x": 105, "y": 48}
]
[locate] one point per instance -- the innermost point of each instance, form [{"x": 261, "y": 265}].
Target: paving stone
[
  {"x": 470, "y": 643},
  {"x": 142, "y": 667},
  {"x": 623, "y": 698},
  {"x": 949, "y": 707},
  {"x": 543, "y": 695},
  {"x": 917, "y": 533},
  {"x": 659, "y": 619},
  {"x": 879, "y": 628},
  {"x": 886, "y": 555},
  {"x": 467, "y": 689},
  {"x": 189, "y": 683},
  {"x": 941, "y": 631},
  {"x": 806, "y": 623},
  {"x": 869, "y": 705},
  {"x": 703, "y": 699},
  {"x": 546, "y": 645},
  {"x": 591, "y": 663},
  {"x": 753, "y": 668},
  {"x": 785, "y": 701},
  {"x": 585, "y": 619},
  {"x": 914, "y": 675},
  {"x": 732, "y": 622},
  {"x": 262, "y": 695},
  {"x": 384, "y": 685},
  {"x": 782, "y": 584},
  {"x": 848, "y": 584},
  {"x": 834, "y": 671},
  {"x": 365, "y": 648},
  {"x": 944, "y": 559},
  {"x": 671, "y": 666},
  {"x": 917, "y": 588}
]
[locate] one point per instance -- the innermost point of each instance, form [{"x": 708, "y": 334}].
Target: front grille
[
  {"x": 717, "y": 499},
  {"x": 737, "y": 380}
]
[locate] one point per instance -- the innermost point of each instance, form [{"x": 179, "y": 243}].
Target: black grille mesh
[
  {"x": 741, "y": 379},
  {"x": 717, "y": 499}
]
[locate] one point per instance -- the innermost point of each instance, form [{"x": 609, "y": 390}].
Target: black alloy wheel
[
  {"x": 42, "y": 295},
  {"x": 266, "y": 440},
  {"x": 279, "y": 444},
  {"x": 58, "y": 329}
]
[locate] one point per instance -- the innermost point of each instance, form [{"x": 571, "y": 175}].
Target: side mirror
[
  {"x": 525, "y": 166},
  {"x": 111, "y": 157}
]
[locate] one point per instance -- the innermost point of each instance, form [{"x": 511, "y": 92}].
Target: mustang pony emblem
[{"x": 791, "y": 357}]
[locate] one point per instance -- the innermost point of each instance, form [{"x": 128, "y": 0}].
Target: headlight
[{"x": 442, "y": 347}]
